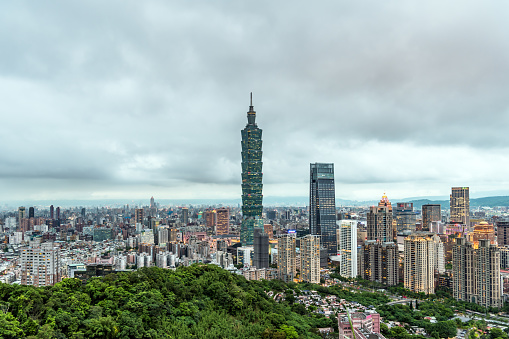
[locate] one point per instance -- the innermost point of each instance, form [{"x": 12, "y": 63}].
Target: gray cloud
[{"x": 130, "y": 98}]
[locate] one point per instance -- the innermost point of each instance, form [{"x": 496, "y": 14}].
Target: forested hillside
[{"x": 201, "y": 301}]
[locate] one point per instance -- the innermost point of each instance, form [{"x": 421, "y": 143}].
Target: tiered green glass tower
[{"x": 251, "y": 178}]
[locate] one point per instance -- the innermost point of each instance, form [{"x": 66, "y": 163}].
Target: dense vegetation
[{"x": 201, "y": 301}]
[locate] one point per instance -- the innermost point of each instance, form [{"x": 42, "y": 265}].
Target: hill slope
[{"x": 200, "y": 301}]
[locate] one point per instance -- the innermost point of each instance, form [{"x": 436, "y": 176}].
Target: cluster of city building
[{"x": 425, "y": 249}]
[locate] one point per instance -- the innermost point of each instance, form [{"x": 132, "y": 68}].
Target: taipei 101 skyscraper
[{"x": 251, "y": 178}]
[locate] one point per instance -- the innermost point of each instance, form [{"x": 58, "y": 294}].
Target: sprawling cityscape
[
  {"x": 431, "y": 251},
  {"x": 269, "y": 169}
]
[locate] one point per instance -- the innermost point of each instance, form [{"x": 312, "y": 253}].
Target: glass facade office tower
[
  {"x": 251, "y": 178},
  {"x": 405, "y": 217},
  {"x": 430, "y": 213},
  {"x": 322, "y": 205},
  {"x": 460, "y": 205}
]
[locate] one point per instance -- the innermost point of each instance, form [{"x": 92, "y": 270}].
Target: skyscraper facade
[
  {"x": 222, "y": 221},
  {"x": 310, "y": 258},
  {"x": 286, "y": 257},
  {"x": 476, "y": 273},
  {"x": 405, "y": 217},
  {"x": 430, "y": 213},
  {"x": 252, "y": 186},
  {"x": 503, "y": 233},
  {"x": 379, "y": 262},
  {"x": 460, "y": 205},
  {"x": 347, "y": 248},
  {"x": 261, "y": 248},
  {"x": 21, "y": 213},
  {"x": 322, "y": 205},
  {"x": 40, "y": 265},
  {"x": 138, "y": 215},
  {"x": 31, "y": 212},
  {"x": 419, "y": 267},
  {"x": 379, "y": 221}
]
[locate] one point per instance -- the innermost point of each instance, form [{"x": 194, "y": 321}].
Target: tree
[
  {"x": 9, "y": 326},
  {"x": 103, "y": 327}
]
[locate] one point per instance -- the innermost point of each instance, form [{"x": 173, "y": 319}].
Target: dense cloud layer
[{"x": 132, "y": 99}]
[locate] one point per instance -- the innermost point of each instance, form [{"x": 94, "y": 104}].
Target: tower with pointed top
[
  {"x": 251, "y": 178},
  {"x": 379, "y": 220}
]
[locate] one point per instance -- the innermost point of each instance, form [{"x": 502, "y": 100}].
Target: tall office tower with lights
[
  {"x": 460, "y": 205},
  {"x": 379, "y": 221},
  {"x": 322, "y": 205},
  {"x": 252, "y": 186},
  {"x": 430, "y": 213},
  {"x": 405, "y": 217}
]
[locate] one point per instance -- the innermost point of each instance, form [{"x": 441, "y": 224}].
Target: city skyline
[{"x": 370, "y": 87}]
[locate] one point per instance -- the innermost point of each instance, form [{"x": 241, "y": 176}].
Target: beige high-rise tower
[
  {"x": 419, "y": 268},
  {"x": 286, "y": 256},
  {"x": 379, "y": 221},
  {"x": 460, "y": 205},
  {"x": 310, "y": 258}
]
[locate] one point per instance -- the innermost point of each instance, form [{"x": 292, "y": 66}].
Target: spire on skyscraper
[{"x": 251, "y": 114}]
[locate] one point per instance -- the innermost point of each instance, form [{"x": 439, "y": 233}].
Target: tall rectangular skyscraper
[
  {"x": 460, "y": 205},
  {"x": 379, "y": 221},
  {"x": 251, "y": 178},
  {"x": 222, "y": 221},
  {"x": 430, "y": 213},
  {"x": 347, "y": 248},
  {"x": 419, "y": 267},
  {"x": 322, "y": 205},
  {"x": 310, "y": 258}
]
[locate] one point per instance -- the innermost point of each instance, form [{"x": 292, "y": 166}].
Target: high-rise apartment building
[
  {"x": 430, "y": 213},
  {"x": 40, "y": 265},
  {"x": 286, "y": 257},
  {"x": 347, "y": 248},
  {"x": 138, "y": 215},
  {"x": 310, "y": 258},
  {"x": 210, "y": 218},
  {"x": 379, "y": 262},
  {"x": 419, "y": 266},
  {"x": 405, "y": 217},
  {"x": 261, "y": 248},
  {"x": 488, "y": 274},
  {"x": 58, "y": 213},
  {"x": 379, "y": 221},
  {"x": 252, "y": 186},
  {"x": 222, "y": 221},
  {"x": 185, "y": 215},
  {"x": 21, "y": 213},
  {"x": 476, "y": 273},
  {"x": 322, "y": 205},
  {"x": 52, "y": 212},
  {"x": 460, "y": 205},
  {"x": 503, "y": 233}
]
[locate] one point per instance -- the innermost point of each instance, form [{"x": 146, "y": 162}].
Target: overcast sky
[{"x": 129, "y": 99}]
